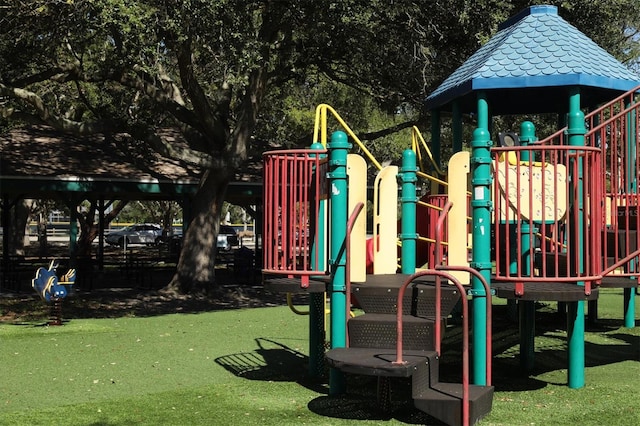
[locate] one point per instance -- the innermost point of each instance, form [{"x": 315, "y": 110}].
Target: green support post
[
  {"x": 317, "y": 300},
  {"x": 338, "y": 150},
  {"x": 481, "y": 206},
  {"x": 575, "y": 310},
  {"x": 408, "y": 200},
  {"x": 526, "y": 308},
  {"x": 632, "y": 188},
  {"x": 435, "y": 135},
  {"x": 73, "y": 231},
  {"x": 456, "y": 122}
]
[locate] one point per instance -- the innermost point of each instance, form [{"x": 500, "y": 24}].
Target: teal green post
[
  {"x": 73, "y": 231},
  {"x": 575, "y": 310},
  {"x": 316, "y": 300},
  {"x": 526, "y": 308},
  {"x": 435, "y": 136},
  {"x": 408, "y": 200},
  {"x": 481, "y": 206},
  {"x": 338, "y": 150},
  {"x": 457, "y": 127},
  {"x": 632, "y": 187}
]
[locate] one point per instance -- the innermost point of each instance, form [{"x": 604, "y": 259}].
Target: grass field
[{"x": 248, "y": 366}]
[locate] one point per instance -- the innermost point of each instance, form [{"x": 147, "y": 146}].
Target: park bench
[{"x": 53, "y": 290}]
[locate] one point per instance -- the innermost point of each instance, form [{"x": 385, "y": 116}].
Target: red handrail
[
  {"x": 438, "y": 262},
  {"x": 441, "y": 271},
  {"x": 350, "y": 223},
  {"x": 465, "y": 330}
]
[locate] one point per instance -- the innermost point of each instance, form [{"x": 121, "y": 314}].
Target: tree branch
[{"x": 45, "y": 114}]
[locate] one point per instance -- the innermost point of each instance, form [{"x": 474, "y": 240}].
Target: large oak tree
[{"x": 220, "y": 71}]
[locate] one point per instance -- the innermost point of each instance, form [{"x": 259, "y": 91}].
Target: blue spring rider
[{"x": 53, "y": 290}]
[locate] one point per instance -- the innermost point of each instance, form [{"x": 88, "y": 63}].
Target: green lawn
[{"x": 248, "y": 366}]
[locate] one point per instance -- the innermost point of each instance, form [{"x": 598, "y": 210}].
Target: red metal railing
[
  {"x": 443, "y": 272},
  {"x": 293, "y": 237},
  {"x": 615, "y": 129},
  {"x": 547, "y": 210},
  {"x": 350, "y": 224}
]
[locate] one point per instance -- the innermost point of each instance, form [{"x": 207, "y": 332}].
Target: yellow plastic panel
[
  {"x": 457, "y": 228},
  {"x": 385, "y": 221},
  {"x": 534, "y": 186},
  {"x": 357, "y": 173}
]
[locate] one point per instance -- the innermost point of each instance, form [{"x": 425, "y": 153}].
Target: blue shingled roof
[{"x": 539, "y": 51}]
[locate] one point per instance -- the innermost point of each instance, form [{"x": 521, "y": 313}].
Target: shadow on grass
[
  {"x": 361, "y": 403},
  {"x": 120, "y": 302},
  {"x": 551, "y": 347},
  {"x": 272, "y": 361}
]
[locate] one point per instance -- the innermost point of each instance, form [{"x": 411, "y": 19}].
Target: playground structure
[{"x": 551, "y": 220}]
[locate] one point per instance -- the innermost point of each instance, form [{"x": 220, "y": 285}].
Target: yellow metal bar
[
  {"x": 432, "y": 178},
  {"x": 428, "y": 240},
  {"x": 292, "y": 306},
  {"x": 321, "y": 126},
  {"x": 416, "y": 137},
  {"x": 431, "y": 206}
]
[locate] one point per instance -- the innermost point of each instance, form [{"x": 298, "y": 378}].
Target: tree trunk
[
  {"x": 89, "y": 229},
  {"x": 196, "y": 266},
  {"x": 18, "y": 238},
  {"x": 88, "y": 233}
]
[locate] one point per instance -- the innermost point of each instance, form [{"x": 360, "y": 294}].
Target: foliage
[
  {"x": 151, "y": 212},
  {"x": 237, "y": 75}
]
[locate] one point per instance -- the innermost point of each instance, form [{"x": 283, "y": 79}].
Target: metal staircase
[{"x": 373, "y": 345}]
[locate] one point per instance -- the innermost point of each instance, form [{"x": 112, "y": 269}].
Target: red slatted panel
[
  {"x": 294, "y": 184},
  {"x": 547, "y": 210}
]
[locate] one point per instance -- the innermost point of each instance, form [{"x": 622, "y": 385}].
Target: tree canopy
[{"x": 230, "y": 72}]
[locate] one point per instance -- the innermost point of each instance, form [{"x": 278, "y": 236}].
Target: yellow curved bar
[
  {"x": 320, "y": 131},
  {"x": 432, "y": 178},
  {"x": 299, "y": 312},
  {"x": 292, "y": 307},
  {"x": 416, "y": 136}
]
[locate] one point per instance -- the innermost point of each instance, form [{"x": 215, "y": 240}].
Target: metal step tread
[
  {"x": 379, "y": 294},
  {"x": 378, "y": 362},
  {"x": 278, "y": 284},
  {"x": 444, "y": 402},
  {"x": 381, "y": 331},
  {"x": 453, "y": 391},
  {"x": 378, "y": 317}
]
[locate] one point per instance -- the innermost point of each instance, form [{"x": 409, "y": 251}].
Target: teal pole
[
  {"x": 73, "y": 231},
  {"x": 338, "y": 150},
  {"x": 575, "y": 310},
  {"x": 435, "y": 136},
  {"x": 457, "y": 127},
  {"x": 408, "y": 200},
  {"x": 316, "y": 300},
  {"x": 632, "y": 187},
  {"x": 527, "y": 309},
  {"x": 481, "y": 206}
]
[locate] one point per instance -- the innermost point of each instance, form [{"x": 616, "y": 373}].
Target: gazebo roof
[
  {"x": 528, "y": 66},
  {"x": 38, "y": 161}
]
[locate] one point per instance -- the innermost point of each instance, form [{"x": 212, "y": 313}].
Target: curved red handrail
[{"x": 350, "y": 223}]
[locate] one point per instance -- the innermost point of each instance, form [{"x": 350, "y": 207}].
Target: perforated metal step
[
  {"x": 379, "y": 294},
  {"x": 279, "y": 284},
  {"x": 380, "y": 331},
  {"x": 444, "y": 402},
  {"x": 378, "y": 362}
]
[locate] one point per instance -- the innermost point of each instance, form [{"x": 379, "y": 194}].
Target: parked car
[
  {"x": 140, "y": 233},
  {"x": 227, "y": 238}
]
